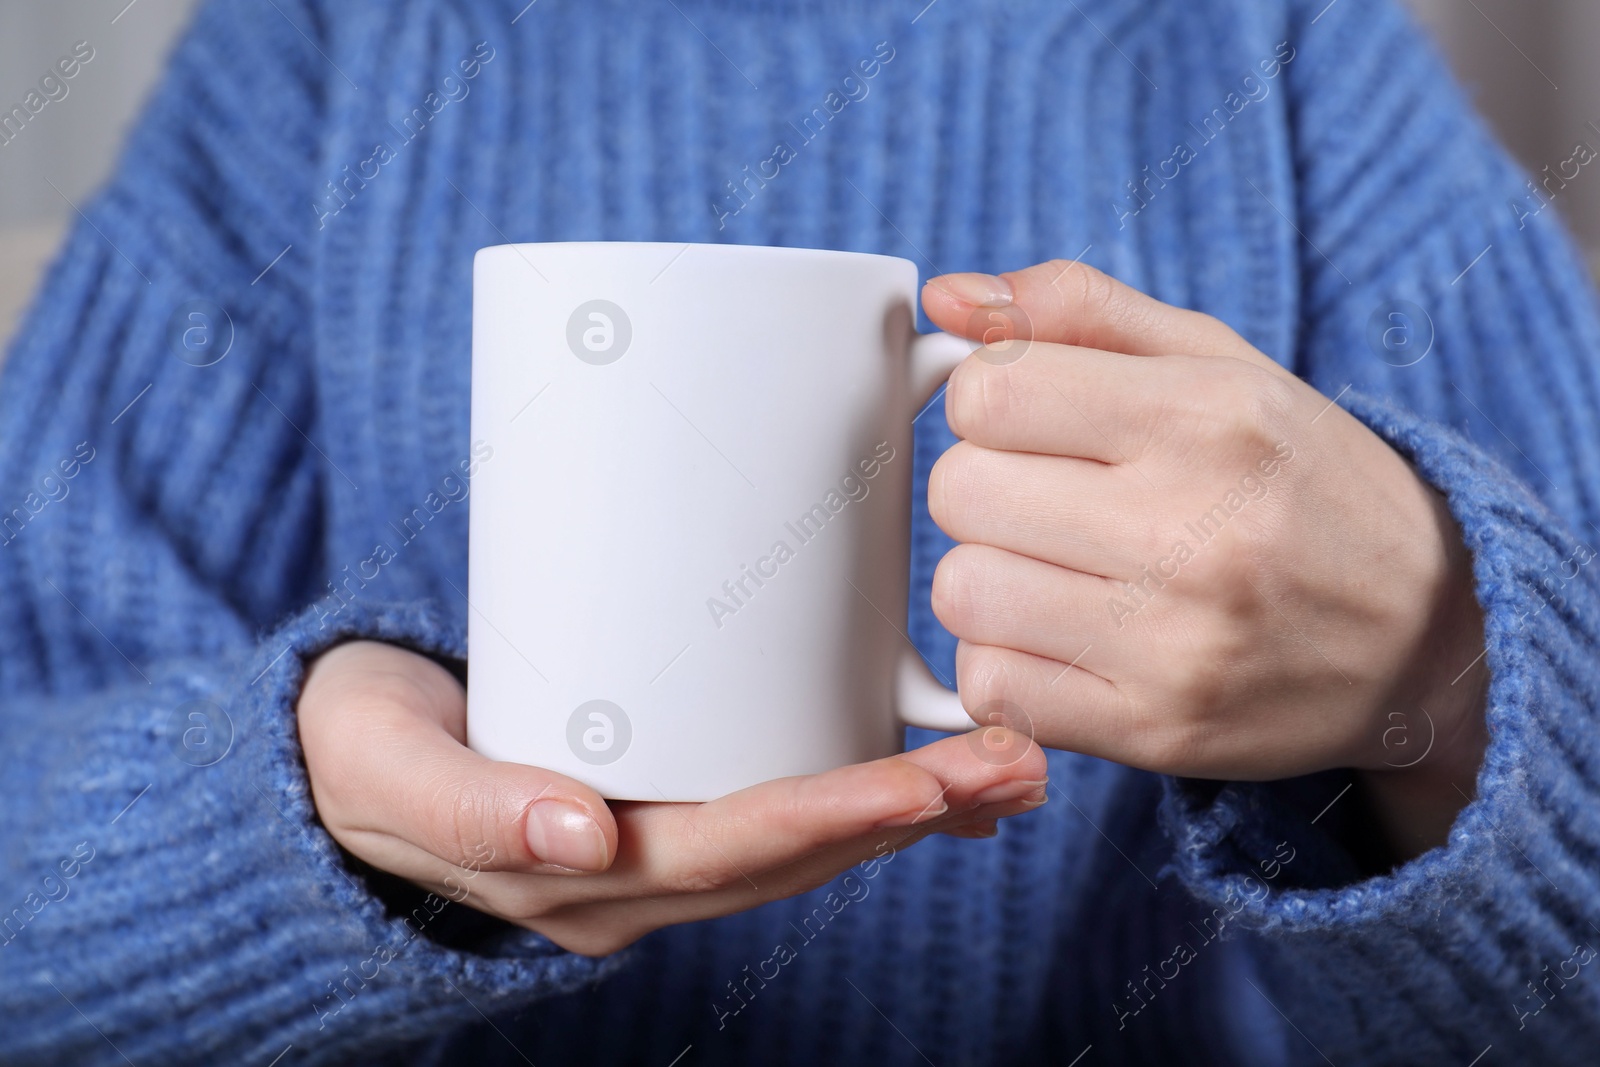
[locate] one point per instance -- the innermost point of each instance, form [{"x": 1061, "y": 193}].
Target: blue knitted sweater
[{"x": 182, "y": 514}]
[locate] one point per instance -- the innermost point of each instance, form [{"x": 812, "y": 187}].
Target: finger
[
  {"x": 986, "y": 766},
  {"x": 771, "y": 825},
  {"x": 989, "y": 596},
  {"x": 600, "y": 927},
  {"x": 776, "y": 823},
  {"x": 1072, "y": 303},
  {"x": 646, "y": 900},
  {"x": 1065, "y": 706},
  {"x": 384, "y": 761},
  {"x": 1143, "y": 723},
  {"x": 818, "y": 865},
  {"x": 1079, "y": 402},
  {"x": 1079, "y": 515}
]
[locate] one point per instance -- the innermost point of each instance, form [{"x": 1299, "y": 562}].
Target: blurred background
[
  {"x": 1527, "y": 63},
  {"x": 75, "y": 139}
]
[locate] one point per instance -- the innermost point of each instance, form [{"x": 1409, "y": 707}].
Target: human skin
[
  {"x": 1325, "y": 616},
  {"x": 384, "y": 732},
  {"x": 1096, "y": 424}
]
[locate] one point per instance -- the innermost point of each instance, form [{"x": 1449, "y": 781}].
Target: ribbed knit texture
[{"x": 192, "y": 555}]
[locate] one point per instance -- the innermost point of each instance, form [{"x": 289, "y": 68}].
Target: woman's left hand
[{"x": 1179, "y": 556}]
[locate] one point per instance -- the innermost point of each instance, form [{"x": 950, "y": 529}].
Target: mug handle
[{"x": 920, "y": 698}]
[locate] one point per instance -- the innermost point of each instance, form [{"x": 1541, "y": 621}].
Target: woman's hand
[
  {"x": 1246, "y": 582},
  {"x": 384, "y": 734}
]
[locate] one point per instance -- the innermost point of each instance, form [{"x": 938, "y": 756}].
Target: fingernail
[
  {"x": 567, "y": 836},
  {"x": 912, "y": 818},
  {"x": 986, "y": 828},
  {"x": 999, "y": 794},
  {"x": 983, "y": 290}
]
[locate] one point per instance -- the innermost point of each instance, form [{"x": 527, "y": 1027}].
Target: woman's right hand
[{"x": 384, "y": 734}]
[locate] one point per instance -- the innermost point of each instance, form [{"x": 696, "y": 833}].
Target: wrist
[{"x": 1434, "y": 733}]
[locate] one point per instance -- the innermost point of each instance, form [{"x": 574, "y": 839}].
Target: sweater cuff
[
  {"x": 424, "y": 965},
  {"x": 1513, "y": 879}
]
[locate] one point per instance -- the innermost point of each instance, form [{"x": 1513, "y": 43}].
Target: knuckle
[
  {"x": 953, "y": 595},
  {"x": 700, "y": 867},
  {"x": 1243, "y": 540},
  {"x": 976, "y": 404},
  {"x": 1273, "y": 401},
  {"x": 1224, "y": 562},
  {"x": 951, "y": 486},
  {"x": 963, "y": 400},
  {"x": 459, "y": 829},
  {"x": 1211, "y": 333},
  {"x": 1258, "y": 409},
  {"x": 1235, "y": 562},
  {"x": 1198, "y": 688},
  {"x": 982, "y": 674},
  {"x": 1097, "y": 294}
]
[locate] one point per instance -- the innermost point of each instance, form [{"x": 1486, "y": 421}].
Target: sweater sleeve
[
  {"x": 169, "y": 895},
  {"x": 1444, "y": 308}
]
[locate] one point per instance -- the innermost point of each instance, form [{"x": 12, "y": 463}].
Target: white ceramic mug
[{"x": 689, "y": 546}]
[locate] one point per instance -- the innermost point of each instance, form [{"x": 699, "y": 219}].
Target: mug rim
[{"x": 721, "y": 248}]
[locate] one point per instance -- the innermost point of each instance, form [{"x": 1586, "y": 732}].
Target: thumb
[
  {"x": 1071, "y": 303},
  {"x": 484, "y": 815},
  {"x": 382, "y": 731}
]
